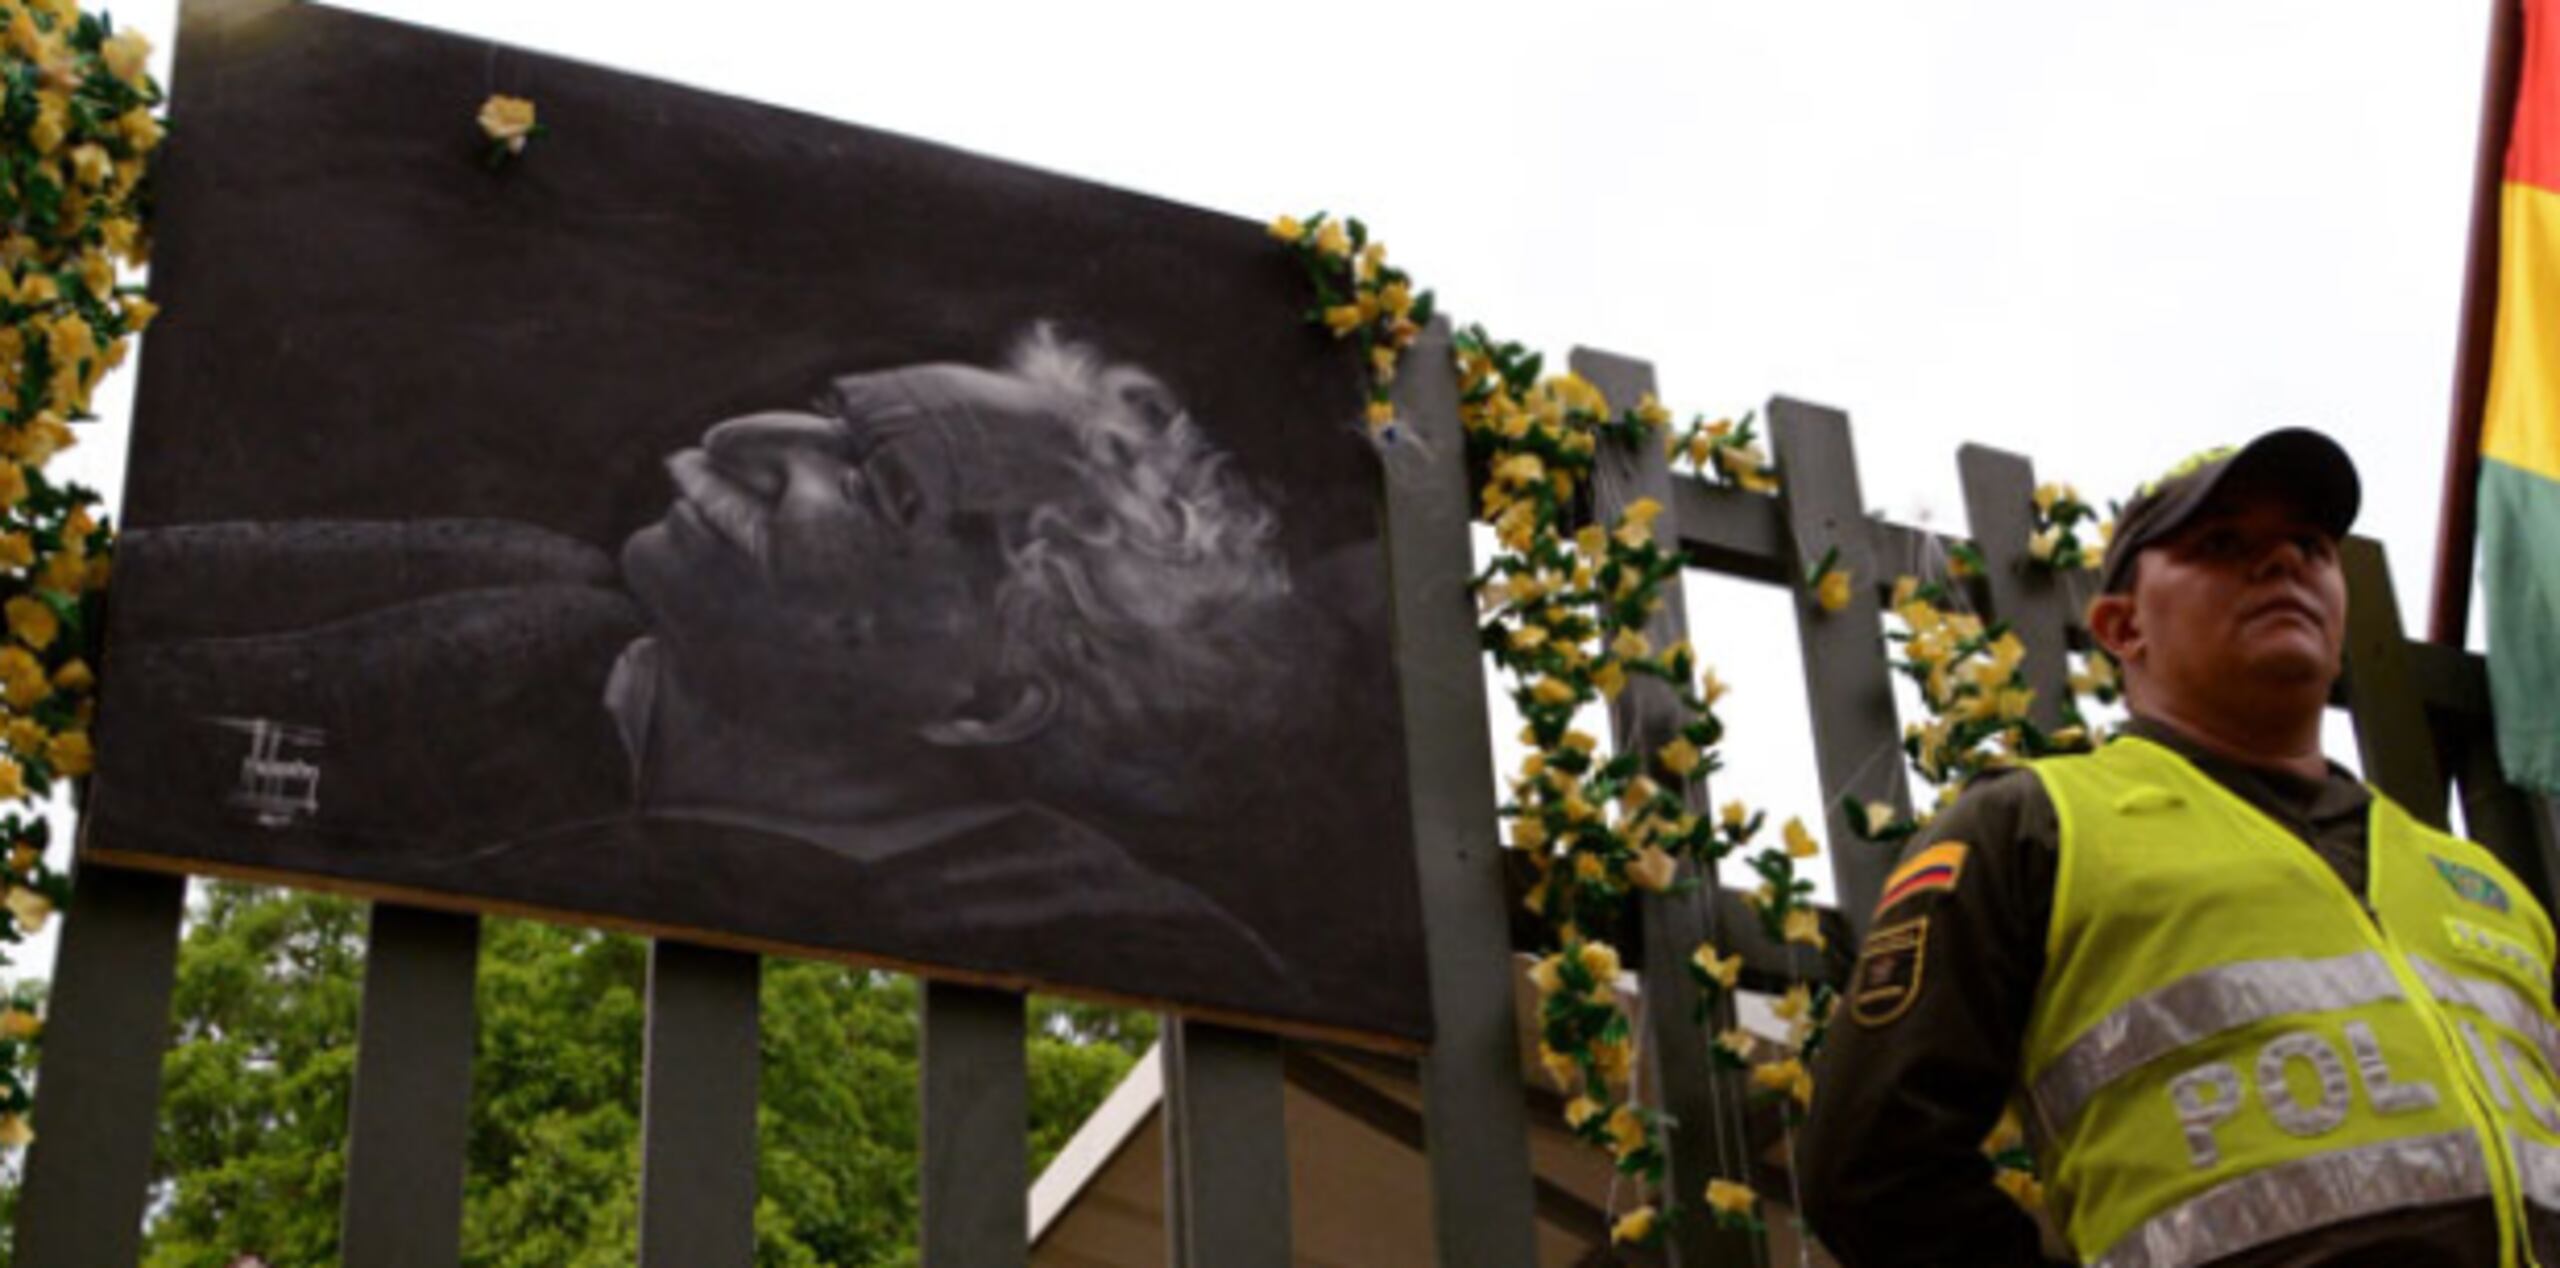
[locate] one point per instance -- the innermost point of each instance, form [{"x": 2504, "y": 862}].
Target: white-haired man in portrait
[{"x": 951, "y": 625}]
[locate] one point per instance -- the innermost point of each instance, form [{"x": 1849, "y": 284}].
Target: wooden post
[
  {"x": 976, "y": 1184},
  {"x": 1481, "y": 1197},
  {"x": 409, "y": 1119},
  {"x": 1226, "y": 1148},
  {"x": 1857, "y": 743},
  {"x": 1709, "y": 1138},
  {"x": 698, "y": 1114},
  {"x": 2393, "y": 737},
  {"x": 1999, "y": 497},
  {"x": 107, "y": 1031}
]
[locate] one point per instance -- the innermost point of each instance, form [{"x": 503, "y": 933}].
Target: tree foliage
[{"x": 256, "y": 1088}]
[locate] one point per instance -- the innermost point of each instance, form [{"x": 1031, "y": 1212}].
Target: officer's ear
[{"x": 2117, "y": 627}]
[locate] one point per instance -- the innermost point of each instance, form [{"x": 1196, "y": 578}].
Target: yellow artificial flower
[
  {"x": 507, "y": 120},
  {"x": 1727, "y": 1198},
  {"x": 24, "y": 736},
  {"x": 1580, "y": 1110},
  {"x": 91, "y": 165},
  {"x": 1342, "y": 319},
  {"x": 1528, "y": 833},
  {"x": 1788, "y": 1076},
  {"x": 126, "y": 54},
  {"x": 1626, "y": 1130},
  {"x": 1800, "y": 842},
  {"x": 1589, "y": 867},
  {"x": 1678, "y": 757},
  {"x": 30, "y": 907},
  {"x": 1635, "y": 1227},
  {"x": 1725, "y": 970},
  {"x": 1879, "y": 816},
  {"x": 1600, "y": 960},
  {"x": 31, "y": 621},
  {"x": 1562, "y": 1070},
  {"x": 1547, "y": 975},
  {"x": 23, "y": 856},
  {"x": 2045, "y": 496},
  {"x": 2040, "y": 546},
  {"x": 1738, "y": 1042},
  {"x": 2015, "y": 701},
  {"x": 138, "y": 313},
  {"x": 62, "y": 573},
  {"x": 22, "y": 679},
  {"x": 1734, "y": 816},
  {"x": 1630, "y": 644},
  {"x": 14, "y": 1132},
  {"x": 1581, "y": 741},
  {"x": 52, "y": 124},
  {"x": 1615, "y": 1059},
  {"x": 17, "y": 550},
  {"x": 1610, "y": 679},
  {"x": 142, "y": 131},
  {"x": 1832, "y": 590},
  {"x": 1712, "y": 688},
  {"x": 1287, "y": 228},
  {"x": 1653, "y": 869},
  {"x": 1333, "y": 240},
  {"x": 1526, "y": 638},
  {"x": 69, "y": 754},
  {"x": 1803, "y": 926},
  {"x": 1795, "y": 1005},
  {"x": 1551, "y": 690},
  {"x": 1382, "y": 414},
  {"x": 18, "y": 1023}
]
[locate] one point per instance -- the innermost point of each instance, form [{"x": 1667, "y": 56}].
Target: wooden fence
[{"x": 2422, "y": 726}]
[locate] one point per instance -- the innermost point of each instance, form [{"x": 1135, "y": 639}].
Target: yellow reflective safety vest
[{"x": 2227, "y": 1050}]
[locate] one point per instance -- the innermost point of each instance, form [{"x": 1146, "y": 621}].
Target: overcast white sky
[{"x": 2104, "y": 235}]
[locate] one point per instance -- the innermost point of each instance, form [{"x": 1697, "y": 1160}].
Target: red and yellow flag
[{"x": 2520, "y": 432}]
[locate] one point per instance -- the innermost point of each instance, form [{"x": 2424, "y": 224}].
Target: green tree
[{"x": 256, "y": 1089}]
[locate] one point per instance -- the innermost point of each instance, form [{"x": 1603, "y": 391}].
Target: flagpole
[{"x": 2457, "y": 526}]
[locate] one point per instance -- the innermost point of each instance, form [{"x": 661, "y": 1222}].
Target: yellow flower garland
[
  {"x": 76, "y": 143},
  {"x": 1565, "y": 607}
]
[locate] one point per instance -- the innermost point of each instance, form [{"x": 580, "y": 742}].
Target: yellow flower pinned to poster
[{"x": 510, "y": 123}]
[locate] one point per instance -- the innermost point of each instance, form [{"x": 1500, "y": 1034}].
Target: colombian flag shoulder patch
[{"x": 1929, "y": 871}]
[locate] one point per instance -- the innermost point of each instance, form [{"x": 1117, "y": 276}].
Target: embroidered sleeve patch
[
  {"x": 2472, "y": 884},
  {"x": 1887, "y": 978},
  {"x": 1930, "y": 870}
]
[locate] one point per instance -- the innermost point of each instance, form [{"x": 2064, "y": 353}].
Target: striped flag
[{"x": 2520, "y": 428}]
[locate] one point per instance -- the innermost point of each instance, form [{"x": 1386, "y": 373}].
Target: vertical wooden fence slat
[
  {"x": 1226, "y": 1148},
  {"x": 1999, "y": 499},
  {"x": 106, "y": 1031},
  {"x": 698, "y": 1113},
  {"x": 1709, "y": 1138},
  {"x": 410, "y": 1117},
  {"x": 1848, "y": 689},
  {"x": 2393, "y": 737},
  {"x": 2517, "y": 826},
  {"x": 1483, "y": 1212},
  {"x": 976, "y": 1184}
]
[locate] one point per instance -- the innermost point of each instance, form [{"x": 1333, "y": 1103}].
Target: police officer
[{"x": 2249, "y": 1011}]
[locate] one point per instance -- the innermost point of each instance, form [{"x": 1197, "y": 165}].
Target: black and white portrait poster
[{"x": 731, "y": 524}]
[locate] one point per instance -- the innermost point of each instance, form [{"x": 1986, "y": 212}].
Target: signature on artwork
[{"x": 278, "y": 785}]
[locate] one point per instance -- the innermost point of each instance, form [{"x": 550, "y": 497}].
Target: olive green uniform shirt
[{"x": 1893, "y": 1169}]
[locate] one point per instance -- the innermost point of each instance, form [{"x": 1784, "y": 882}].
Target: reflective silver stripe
[
  {"x": 2307, "y": 1193},
  {"x": 2498, "y": 1001},
  {"x": 2199, "y": 1006},
  {"x": 2539, "y": 1164}
]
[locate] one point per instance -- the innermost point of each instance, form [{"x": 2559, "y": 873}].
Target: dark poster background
[{"x": 404, "y": 409}]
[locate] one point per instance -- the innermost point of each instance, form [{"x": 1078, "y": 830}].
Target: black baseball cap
[{"x": 2297, "y": 461}]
